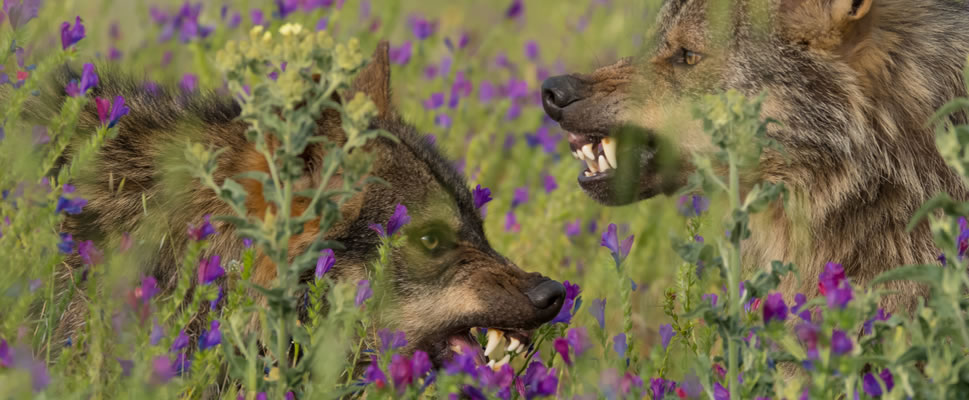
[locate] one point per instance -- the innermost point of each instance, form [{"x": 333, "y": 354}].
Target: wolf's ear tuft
[{"x": 374, "y": 79}]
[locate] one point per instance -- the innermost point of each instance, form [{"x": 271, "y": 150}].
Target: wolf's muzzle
[
  {"x": 560, "y": 91},
  {"x": 547, "y": 297}
]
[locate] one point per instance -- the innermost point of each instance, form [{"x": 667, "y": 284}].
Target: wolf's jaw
[
  {"x": 598, "y": 154},
  {"x": 499, "y": 349}
]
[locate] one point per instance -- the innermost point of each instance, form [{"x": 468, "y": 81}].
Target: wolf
[
  {"x": 853, "y": 84},
  {"x": 446, "y": 279}
]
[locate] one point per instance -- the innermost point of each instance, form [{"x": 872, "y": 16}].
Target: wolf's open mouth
[
  {"x": 598, "y": 152},
  {"x": 500, "y": 346}
]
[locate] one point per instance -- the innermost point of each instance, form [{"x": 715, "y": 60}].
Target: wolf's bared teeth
[
  {"x": 513, "y": 345},
  {"x": 491, "y": 364},
  {"x": 609, "y": 147},
  {"x": 457, "y": 349},
  {"x": 588, "y": 174},
  {"x": 603, "y": 165},
  {"x": 503, "y": 361},
  {"x": 494, "y": 337},
  {"x": 593, "y": 166},
  {"x": 577, "y": 154},
  {"x": 587, "y": 150}
]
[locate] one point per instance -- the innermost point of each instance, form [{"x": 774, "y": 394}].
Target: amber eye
[
  {"x": 690, "y": 57},
  {"x": 430, "y": 241}
]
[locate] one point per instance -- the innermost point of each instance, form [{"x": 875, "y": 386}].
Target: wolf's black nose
[
  {"x": 558, "y": 92},
  {"x": 546, "y": 295}
]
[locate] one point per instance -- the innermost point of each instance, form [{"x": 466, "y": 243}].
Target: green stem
[{"x": 733, "y": 282}]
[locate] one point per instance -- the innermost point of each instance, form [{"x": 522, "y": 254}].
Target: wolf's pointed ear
[
  {"x": 374, "y": 79},
  {"x": 825, "y": 24},
  {"x": 850, "y": 10}
]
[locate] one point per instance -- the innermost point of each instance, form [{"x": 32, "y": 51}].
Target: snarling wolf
[
  {"x": 444, "y": 281},
  {"x": 853, "y": 84}
]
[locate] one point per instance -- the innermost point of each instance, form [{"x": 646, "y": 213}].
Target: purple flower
[
  {"x": 831, "y": 278},
  {"x": 598, "y": 310},
  {"x": 799, "y": 300},
  {"x": 443, "y": 121},
  {"x": 422, "y": 28},
  {"x": 565, "y": 314},
  {"x": 711, "y": 297},
  {"x": 19, "y": 12},
  {"x": 515, "y": 9},
  {"x": 71, "y": 35},
  {"x": 399, "y": 219},
  {"x": 374, "y": 375},
  {"x": 517, "y": 88},
  {"x": 157, "y": 333},
  {"x": 660, "y": 387},
  {"x": 66, "y": 244},
  {"x": 840, "y": 342},
  {"x": 180, "y": 342},
  {"x": 286, "y": 7},
  {"x": 162, "y": 369},
  {"x": 543, "y": 138},
  {"x": 519, "y": 197},
  {"x": 147, "y": 290},
  {"x": 6, "y": 354},
  {"x": 963, "y": 238},
  {"x": 90, "y": 254},
  {"x": 619, "y": 345},
  {"x": 421, "y": 363},
  {"x": 610, "y": 240},
  {"x": 215, "y": 302},
  {"x": 463, "y": 363},
  {"x": 185, "y": 22},
  {"x": 873, "y": 388},
  {"x": 666, "y": 333},
  {"x": 110, "y": 114},
  {"x": 561, "y": 345},
  {"x": 486, "y": 91},
  {"x": 774, "y": 308},
  {"x": 511, "y": 222},
  {"x": 211, "y": 337},
  {"x": 435, "y": 101},
  {"x": 539, "y": 381},
  {"x": 89, "y": 79},
  {"x": 203, "y": 231},
  {"x": 401, "y": 372},
  {"x": 189, "y": 82},
  {"x": 324, "y": 263},
  {"x": 234, "y": 20},
  {"x": 401, "y": 55},
  {"x": 578, "y": 339},
  {"x": 692, "y": 206},
  {"x": 70, "y": 206},
  {"x": 257, "y": 16},
  {"x": 210, "y": 269},
  {"x": 363, "y": 292},
  {"x": 531, "y": 50},
  {"x": 720, "y": 392},
  {"x": 481, "y": 196},
  {"x": 391, "y": 340},
  {"x": 550, "y": 184},
  {"x": 840, "y": 296},
  {"x": 126, "y": 366},
  {"x": 880, "y": 316}
]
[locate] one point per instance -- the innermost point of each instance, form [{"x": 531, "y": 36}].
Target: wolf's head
[
  {"x": 446, "y": 280},
  {"x": 846, "y": 79}
]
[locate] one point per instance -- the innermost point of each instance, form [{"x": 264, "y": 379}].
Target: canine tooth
[
  {"x": 587, "y": 150},
  {"x": 514, "y": 345},
  {"x": 588, "y": 174},
  {"x": 457, "y": 349},
  {"x": 503, "y": 361},
  {"x": 593, "y": 166},
  {"x": 494, "y": 336},
  {"x": 491, "y": 364},
  {"x": 575, "y": 154},
  {"x": 603, "y": 165},
  {"x": 609, "y": 147}
]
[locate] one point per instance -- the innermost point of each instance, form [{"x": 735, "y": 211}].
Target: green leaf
[{"x": 925, "y": 273}]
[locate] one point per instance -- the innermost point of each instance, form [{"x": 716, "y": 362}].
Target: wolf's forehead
[{"x": 681, "y": 21}]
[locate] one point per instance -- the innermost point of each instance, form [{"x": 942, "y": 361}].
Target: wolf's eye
[
  {"x": 689, "y": 57},
  {"x": 430, "y": 241}
]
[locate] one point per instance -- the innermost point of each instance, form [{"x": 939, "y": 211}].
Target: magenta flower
[
  {"x": 108, "y": 113},
  {"x": 610, "y": 240},
  {"x": 421, "y": 363},
  {"x": 374, "y": 375},
  {"x": 6, "y": 354},
  {"x": 189, "y": 82},
  {"x": 720, "y": 392},
  {"x": 578, "y": 339},
  {"x": 550, "y": 184},
  {"x": 71, "y": 35},
  {"x": 89, "y": 79},
  {"x": 561, "y": 345},
  {"x": 598, "y": 310},
  {"x": 147, "y": 290},
  {"x": 840, "y": 342},
  {"x": 831, "y": 278},
  {"x": 157, "y": 333},
  {"x": 324, "y": 263},
  {"x": 666, "y": 333},
  {"x": 515, "y": 9},
  {"x": 202, "y": 231},
  {"x": 287, "y": 7},
  {"x": 840, "y": 296},
  {"x": 185, "y": 22},
  {"x": 481, "y": 196},
  {"x": 363, "y": 292},
  {"x": 774, "y": 308},
  {"x": 401, "y": 55},
  {"x": 401, "y": 372},
  {"x": 162, "y": 369},
  {"x": 570, "y": 305},
  {"x": 210, "y": 269},
  {"x": 90, "y": 254},
  {"x": 399, "y": 219},
  {"x": 659, "y": 387},
  {"x": 211, "y": 337},
  {"x": 215, "y": 302},
  {"x": 391, "y": 340}
]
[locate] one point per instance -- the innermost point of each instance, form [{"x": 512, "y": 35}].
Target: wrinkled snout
[
  {"x": 558, "y": 92},
  {"x": 547, "y": 296}
]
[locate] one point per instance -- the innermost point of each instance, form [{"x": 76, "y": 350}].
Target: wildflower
[
  {"x": 720, "y": 392},
  {"x": 543, "y": 138},
  {"x": 619, "y": 345},
  {"x": 401, "y": 372},
  {"x": 511, "y": 222},
  {"x": 211, "y": 337},
  {"x": 831, "y": 278},
  {"x": 399, "y": 219},
  {"x": 391, "y": 340},
  {"x": 210, "y": 269},
  {"x": 257, "y": 16},
  {"x": 90, "y": 254},
  {"x": 401, "y": 55},
  {"x": 463, "y": 363},
  {"x": 234, "y": 20},
  {"x": 286, "y": 7},
  {"x": 66, "y": 244},
  {"x": 71, "y": 35},
  {"x": 692, "y": 206},
  {"x": 539, "y": 381},
  {"x": 570, "y": 305},
  {"x": 486, "y": 91},
  {"x": 573, "y": 228},
  {"x": 218, "y": 297},
  {"x": 630, "y": 381},
  {"x": 880, "y": 316},
  {"x": 598, "y": 310},
  {"x": 180, "y": 342},
  {"x": 363, "y": 292},
  {"x": 561, "y": 346},
  {"x": 517, "y": 88},
  {"x": 421, "y": 27},
  {"x": 514, "y": 10},
  {"x": 578, "y": 339},
  {"x": 550, "y": 184},
  {"x": 531, "y": 50},
  {"x": 500, "y": 380},
  {"x": 203, "y": 231},
  {"x": 189, "y": 82},
  {"x": 421, "y": 363},
  {"x": 799, "y": 300},
  {"x": 19, "y": 12},
  {"x": 6, "y": 354},
  {"x": 689, "y": 387},
  {"x": 185, "y": 22},
  {"x": 324, "y": 263},
  {"x": 125, "y": 243},
  {"x": 109, "y": 113},
  {"x": 660, "y": 387},
  {"x": 435, "y": 101},
  {"x": 666, "y": 333},
  {"x": 839, "y": 296},
  {"x": 873, "y": 388},
  {"x": 89, "y": 79},
  {"x": 147, "y": 290},
  {"x": 519, "y": 197},
  {"x": 157, "y": 333},
  {"x": 712, "y": 298},
  {"x": 774, "y": 308},
  {"x": 162, "y": 369},
  {"x": 443, "y": 121},
  {"x": 70, "y": 206},
  {"x": 610, "y": 240},
  {"x": 126, "y": 366},
  {"x": 963, "y": 238},
  {"x": 481, "y": 196},
  {"x": 840, "y": 342}
]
